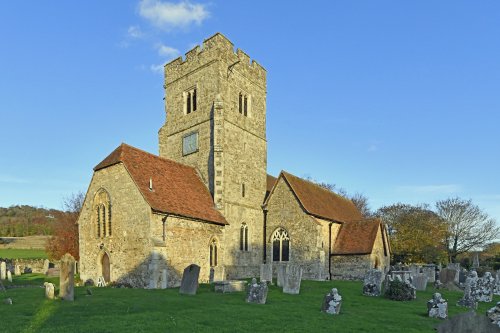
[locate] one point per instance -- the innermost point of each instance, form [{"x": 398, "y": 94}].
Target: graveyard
[{"x": 110, "y": 309}]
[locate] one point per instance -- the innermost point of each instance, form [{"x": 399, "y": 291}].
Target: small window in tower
[
  {"x": 240, "y": 104},
  {"x": 245, "y": 106},
  {"x": 188, "y": 105},
  {"x": 243, "y": 190},
  {"x": 194, "y": 99},
  {"x": 190, "y": 101},
  {"x": 244, "y": 103}
]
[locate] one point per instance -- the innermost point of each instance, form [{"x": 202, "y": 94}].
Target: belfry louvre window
[
  {"x": 190, "y": 102},
  {"x": 244, "y": 237},
  {"x": 281, "y": 245},
  {"x": 244, "y": 104},
  {"x": 102, "y": 211}
]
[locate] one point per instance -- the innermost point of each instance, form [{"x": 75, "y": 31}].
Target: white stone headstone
[
  {"x": 293, "y": 277},
  {"x": 164, "y": 278},
  {"x": 17, "y": 270},
  {"x": 3, "y": 270},
  {"x": 9, "y": 276},
  {"x": 49, "y": 290},
  {"x": 46, "y": 263}
]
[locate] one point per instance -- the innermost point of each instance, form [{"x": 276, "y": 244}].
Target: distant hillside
[{"x": 19, "y": 221}]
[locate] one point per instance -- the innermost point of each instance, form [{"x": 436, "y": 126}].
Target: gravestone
[
  {"x": 9, "y": 276},
  {"x": 46, "y": 264},
  {"x": 189, "y": 283},
  {"x": 414, "y": 270},
  {"x": 420, "y": 282},
  {"x": 468, "y": 322},
  {"x": 469, "y": 299},
  {"x": 67, "y": 278},
  {"x": 456, "y": 267},
  {"x": 257, "y": 293},
  {"x": 401, "y": 275},
  {"x": 49, "y": 290},
  {"x": 448, "y": 275},
  {"x": 497, "y": 283},
  {"x": 437, "y": 307},
  {"x": 494, "y": 314},
  {"x": 372, "y": 282},
  {"x": 164, "y": 278},
  {"x": 154, "y": 270},
  {"x": 8, "y": 301},
  {"x": 475, "y": 260},
  {"x": 484, "y": 288},
  {"x": 280, "y": 270},
  {"x": 266, "y": 273},
  {"x": 398, "y": 290},
  {"x": 462, "y": 276},
  {"x": 17, "y": 270},
  {"x": 293, "y": 277},
  {"x": 332, "y": 302},
  {"x": 217, "y": 273},
  {"x": 430, "y": 271},
  {"x": 3, "y": 270},
  {"x": 229, "y": 286}
]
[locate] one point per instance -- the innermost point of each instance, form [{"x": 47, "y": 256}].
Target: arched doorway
[{"x": 105, "y": 267}]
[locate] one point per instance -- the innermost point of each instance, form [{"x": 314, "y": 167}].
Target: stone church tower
[{"x": 216, "y": 123}]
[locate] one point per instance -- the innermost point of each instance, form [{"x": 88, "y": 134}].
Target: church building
[{"x": 207, "y": 199}]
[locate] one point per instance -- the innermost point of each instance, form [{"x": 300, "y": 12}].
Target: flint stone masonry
[
  {"x": 229, "y": 286},
  {"x": 67, "y": 278},
  {"x": 266, "y": 273},
  {"x": 372, "y": 283},
  {"x": 332, "y": 302},
  {"x": 293, "y": 277},
  {"x": 189, "y": 283},
  {"x": 437, "y": 307},
  {"x": 419, "y": 281},
  {"x": 49, "y": 290},
  {"x": 468, "y": 322},
  {"x": 257, "y": 293}
]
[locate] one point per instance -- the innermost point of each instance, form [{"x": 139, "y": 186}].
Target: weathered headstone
[
  {"x": 401, "y": 275},
  {"x": 497, "y": 283},
  {"x": 3, "y": 270},
  {"x": 462, "y": 276},
  {"x": 49, "y": 290},
  {"x": 67, "y": 278},
  {"x": 430, "y": 271},
  {"x": 8, "y": 301},
  {"x": 484, "y": 289},
  {"x": 293, "y": 277},
  {"x": 164, "y": 277},
  {"x": 420, "y": 281},
  {"x": 332, "y": 302},
  {"x": 475, "y": 260},
  {"x": 9, "y": 276},
  {"x": 257, "y": 293},
  {"x": 448, "y": 275},
  {"x": 469, "y": 300},
  {"x": 154, "y": 270},
  {"x": 17, "y": 270},
  {"x": 266, "y": 273},
  {"x": 437, "y": 307},
  {"x": 398, "y": 290},
  {"x": 217, "y": 273},
  {"x": 494, "y": 314},
  {"x": 229, "y": 286},
  {"x": 281, "y": 271},
  {"x": 46, "y": 264},
  {"x": 189, "y": 283},
  {"x": 468, "y": 322},
  {"x": 457, "y": 268},
  {"x": 414, "y": 269},
  {"x": 372, "y": 282}
]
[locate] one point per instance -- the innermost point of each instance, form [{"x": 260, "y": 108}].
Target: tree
[
  {"x": 65, "y": 236},
  {"x": 468, "y": 227},
  {"x": 416, "y": 233}
]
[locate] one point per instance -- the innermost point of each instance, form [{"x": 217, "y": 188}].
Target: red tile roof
[
  {"x": 321, "y": 202},
  {"x": 177, "y": 188},
  {"x": 270, "y": 182},
  {"x": 357, "y": 237}
]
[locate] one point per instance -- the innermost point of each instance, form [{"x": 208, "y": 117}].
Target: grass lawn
[
  {"x": 22, "y": 254},
  {"x": 137, "y": 310}
]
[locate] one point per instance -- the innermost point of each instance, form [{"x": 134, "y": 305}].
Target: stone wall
[
  {"x": 129, "y": 247},
  {"x": 350, "y": 267},
  {"x": 381, "y": 257}
]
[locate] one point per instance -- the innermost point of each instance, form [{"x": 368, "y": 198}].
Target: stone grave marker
[
  {"x": 494, "y": 314},
  {"x": 17, "y": 270},
  {"x": 3, "y": 270},
  {"x": 497, "y": 283},
  {"x": 469, "y": 299},
  {"x": 448, "y": 275},
  {"x": 401, "y": 275},
  {"x": 414, "y": 269},
  {"x": 46, "y": 264},
  {"x": 281, "y": 271},
  {"x": 217, "y": 273},
  {"x": 164, "y": 277},
  {"x": 462, "y": 276},
  {"x": 154, "y": 270},
  {"x": 484, "y": 288},
  {"x": 49, "y": 290},
  {"x": 420, "y": 281},
  {"x": 430, "y": 271},
  {"x": 257, "y": 293},
  {"x": 475, "y": 260},
  {"x": 372, "y": 282},
  {"x": 266, "y": 273},
  {"x": 457, "y": 268},
  {"x": 293, "y": 277},
  {"x": 437, "y": 307},
  {"x": 332, "y": 302},
  {"x": 189, "y": 283},
  {"x": 9, "y": 276},
  {"x": 67, "y": 278},
  {"x": 229, "y": 286},
  {"x": 467, "y": 322}
]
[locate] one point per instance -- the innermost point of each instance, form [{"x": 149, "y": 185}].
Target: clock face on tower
[{"x": 190, "y": 144}]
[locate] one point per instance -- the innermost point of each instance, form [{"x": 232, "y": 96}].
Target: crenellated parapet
[{"x": 215, "y": 48}]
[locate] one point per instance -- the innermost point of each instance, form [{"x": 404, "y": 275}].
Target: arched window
[
  {"x": 213, "y": 252},
  {"x": 244, "y": 237},
  {"x": 281, "y": 245},
  {"x": 102, "y": 208}
]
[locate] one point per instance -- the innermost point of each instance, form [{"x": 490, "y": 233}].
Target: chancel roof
[
  {"x": 176, "y": 188},
  {"x": 357, "y": 237}
]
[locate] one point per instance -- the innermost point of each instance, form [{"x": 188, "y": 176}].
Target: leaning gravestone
[
  {"x": 257, "y": 293},
  {"x": 266, "y": 273},
  {"x": 468, "y": 322},
  {"x": 437, "y": 307},
  {"x": 420, "y": 281},
  {"x": 3, "y": 270},
  {"x": 189, "y": 283},
  {"x": 372, "y": 282},
  {"x": 17, "y": 270},
  {"x": 293, "y": 276},
  {"x": 494, "y": 314},
  {"x": 332, "y": 302},
  {"x": 281, "y": 271},
  {"x": 49, "y": 290},
  {"x": 67, "y": 278}
]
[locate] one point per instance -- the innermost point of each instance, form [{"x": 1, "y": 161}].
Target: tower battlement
[{"x": 215, "y": 48}]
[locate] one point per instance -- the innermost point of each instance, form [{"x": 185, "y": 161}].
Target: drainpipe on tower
[
  {"x": 264, "y": 210},
  {"x": 330, "y": 250}
]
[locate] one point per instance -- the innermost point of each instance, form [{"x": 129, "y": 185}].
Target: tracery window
[
  {"x": 213, "y": 252},
  {"x": 102, "y": 209},
  {"x": 281, "y": 245},
  {"x": 244, "y": 237}
]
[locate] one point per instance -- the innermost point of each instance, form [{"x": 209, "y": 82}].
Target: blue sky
[{"x": 398, "y": 100}]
